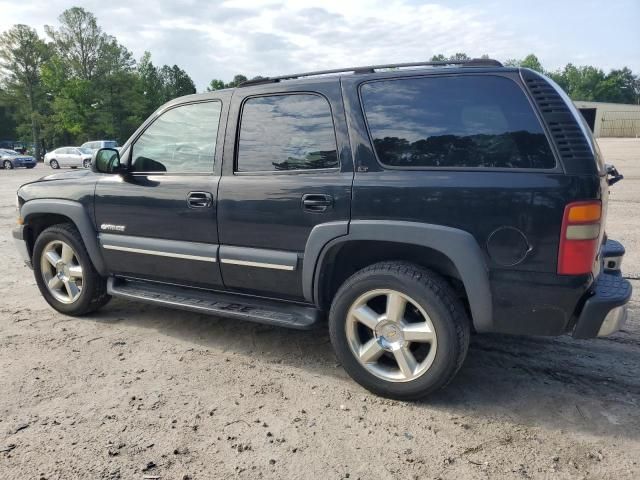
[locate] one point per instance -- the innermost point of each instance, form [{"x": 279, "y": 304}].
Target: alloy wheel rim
[
  {"x": 61, "y": 271},
  {"x": 391, "y": 336},
  {"x": 8, "y": 165}
]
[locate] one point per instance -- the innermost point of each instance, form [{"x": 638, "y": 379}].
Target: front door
[
  {"x": 287, "y": 168},
  {"x": 157, "y": 221}
]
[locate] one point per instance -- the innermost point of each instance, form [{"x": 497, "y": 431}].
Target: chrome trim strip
[
  {"x": 159, "y": 253},
  {"x": 246, "y": 263}
]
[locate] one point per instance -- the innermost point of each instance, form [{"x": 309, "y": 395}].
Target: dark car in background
[{"x": 10, "y": 159}]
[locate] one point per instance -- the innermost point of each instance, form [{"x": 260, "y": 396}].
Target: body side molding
[
  {"x": 157, "y": 246},
  {"x": 258, "y": 257},
  {"x": 78, "y": 215},
  {"x": 458, "y": 245}
]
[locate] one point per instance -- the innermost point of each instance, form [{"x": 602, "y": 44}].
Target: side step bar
[{"x": 258, "y": 310}]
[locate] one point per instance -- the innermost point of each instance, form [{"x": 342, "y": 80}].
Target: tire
[
  {"x": 31, "y": 166},
  {"x": 54, "y": 164},
  {"x": 86, "y": 163},
  {"x": 7, "y": 165},
  {"x": 439, "y": 350},
  {"x": 91, "y": 288}
]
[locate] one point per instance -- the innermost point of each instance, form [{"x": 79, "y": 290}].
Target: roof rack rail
[{"x": 474, "y": 62}]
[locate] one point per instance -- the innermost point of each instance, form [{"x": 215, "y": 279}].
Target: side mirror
[{"x": 106, "y": 160}]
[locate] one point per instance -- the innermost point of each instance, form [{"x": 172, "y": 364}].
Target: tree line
[{"x": 79, "y": 83}]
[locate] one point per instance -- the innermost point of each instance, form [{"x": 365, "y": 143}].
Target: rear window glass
[{"x": 466, "y": 121}]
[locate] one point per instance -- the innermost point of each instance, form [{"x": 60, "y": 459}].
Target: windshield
[
  {"x": 11, "y": 153},
  {"x": 86, "y": 150},
  {"x": 110, "y": 144}
]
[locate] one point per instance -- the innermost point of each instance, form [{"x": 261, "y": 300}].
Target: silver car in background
[{"x": 69, "y": 157}]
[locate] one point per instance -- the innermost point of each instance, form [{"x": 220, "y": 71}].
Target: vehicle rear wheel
[
  {"x": 64, "y": 273},
  {"x": 399, "y": 330},
  {"x": 7, "y": 164},
  {"x": 54, "y": 164}
]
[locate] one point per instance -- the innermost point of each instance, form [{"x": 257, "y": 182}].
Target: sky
[{"x": 218, "y": 39}]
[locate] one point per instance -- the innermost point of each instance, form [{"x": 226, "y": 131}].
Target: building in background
[{"x": 611, "y": 119}]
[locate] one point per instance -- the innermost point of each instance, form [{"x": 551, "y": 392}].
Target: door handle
[
  {"x": 199, "y": 199},
  {"x": 316, "y": 202}
]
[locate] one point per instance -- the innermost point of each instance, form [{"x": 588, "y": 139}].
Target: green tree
[
  {"x": 215, "y": 84},
  {"x": 530, "y": 61},
  {"x": 176, "y": 82},
  {"x": 237, "y": 80},
  {"x": 92, "y": 80},
  {"x": 151, "y": 87},
  {"x": 455, "y": 57},
  {"x": 79, "y": 41},
  {"x": 22, "y": 54}
]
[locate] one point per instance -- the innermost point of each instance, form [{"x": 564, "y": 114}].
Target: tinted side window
[
  {"x": 181, "y": 140},
  {"x": 465, "y": 121},
  {"x": 286, "y": 132}
]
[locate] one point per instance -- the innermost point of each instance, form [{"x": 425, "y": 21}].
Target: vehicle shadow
[{"x": 591, "y": 386}]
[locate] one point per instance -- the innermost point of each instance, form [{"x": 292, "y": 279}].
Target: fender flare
[
  {"x": 78, "y": 215},
  {"x": 458, "y": 245}
]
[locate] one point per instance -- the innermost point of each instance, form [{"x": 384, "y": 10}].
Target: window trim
[
  {"x": 557, "y": 168},
  {"x": 132, "y": 143},
  {"x": 301, "y": 171}
]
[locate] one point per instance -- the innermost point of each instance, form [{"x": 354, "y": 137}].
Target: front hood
[
  {"x": 65, "y": 175},
  {"x": 78, "y": 185}
]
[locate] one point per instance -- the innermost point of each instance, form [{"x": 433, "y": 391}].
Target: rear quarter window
[{"x": 470, "y": 121}]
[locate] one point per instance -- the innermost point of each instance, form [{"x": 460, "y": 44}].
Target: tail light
[{"x": 579, "y": 237}]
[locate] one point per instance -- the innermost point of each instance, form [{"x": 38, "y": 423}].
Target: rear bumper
[
  {"x": 21, "y": 244},
  {"x": 605, "y": 308}
]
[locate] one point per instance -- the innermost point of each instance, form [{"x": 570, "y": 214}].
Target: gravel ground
[{"x": 136, "y": 392}]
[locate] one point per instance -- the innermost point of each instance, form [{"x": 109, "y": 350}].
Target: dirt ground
[{"x": 136, "y": 392}]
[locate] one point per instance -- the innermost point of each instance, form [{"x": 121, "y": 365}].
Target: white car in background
[{"x": 69, "y": 157}]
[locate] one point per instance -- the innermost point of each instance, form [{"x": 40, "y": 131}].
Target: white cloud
[{"x": 267, "y": 37}]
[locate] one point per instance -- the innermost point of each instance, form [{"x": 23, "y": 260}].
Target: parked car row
[{"x": 72, "y": 157}]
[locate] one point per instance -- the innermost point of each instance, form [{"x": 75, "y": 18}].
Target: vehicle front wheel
[
  {"x": 64, "y": 273},
  {"x": 86, "y": 163},
  {"x": 7, "y": 165},
  {"x": 54, "y": 164},
  {"x": 399, "y": 330}
]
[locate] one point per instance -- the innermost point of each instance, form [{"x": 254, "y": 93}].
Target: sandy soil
[{"x": 138, "y": 392}]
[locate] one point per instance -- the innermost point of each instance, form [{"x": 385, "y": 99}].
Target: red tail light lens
[{"x": 579, "y": 237}]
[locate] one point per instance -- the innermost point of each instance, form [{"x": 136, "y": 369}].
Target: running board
[{"x": 270, "y": 312}]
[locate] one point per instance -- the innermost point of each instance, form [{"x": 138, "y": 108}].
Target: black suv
[{"x": 410, "y": 204}]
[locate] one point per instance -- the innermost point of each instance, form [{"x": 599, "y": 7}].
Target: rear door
[
  {"x": 287, "y": 168},
  {"x": 158, "y": 220}
]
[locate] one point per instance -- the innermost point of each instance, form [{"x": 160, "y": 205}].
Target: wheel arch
[
  {"x": 42, "y": 213},
  {"x": 450, "y": 251}
]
